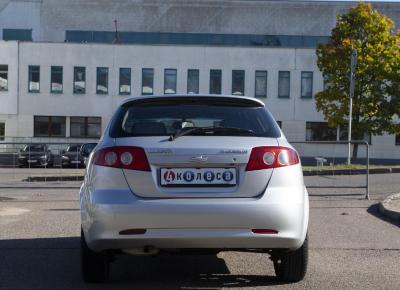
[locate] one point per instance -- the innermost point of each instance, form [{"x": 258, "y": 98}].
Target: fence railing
[
  {"x": 35, "y": 154},
  {"x": 40, "y": 164},
  {"x": 305, "y": 147},
  {"x": 55, "y": 156}
]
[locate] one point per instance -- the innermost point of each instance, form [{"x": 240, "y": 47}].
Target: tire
[
  {"x": 94, "y": 266},
  {"x": 292, "y": 266}
]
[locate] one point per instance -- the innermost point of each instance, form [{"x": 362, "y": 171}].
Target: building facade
[{"x": 64, "y": 69}]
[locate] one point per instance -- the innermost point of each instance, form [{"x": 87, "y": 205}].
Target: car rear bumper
[
  {"x": 195, "y": 238},
  {"x": 223, "y": 223}
]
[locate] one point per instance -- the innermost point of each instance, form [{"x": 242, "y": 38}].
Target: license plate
[
  {"x": 198, "y": 177},
  {"x": 75, "y": 161},
  {"x": 32, "y": 161}
]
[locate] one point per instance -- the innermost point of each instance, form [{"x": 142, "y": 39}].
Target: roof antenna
[{"x": 116, "y": 34}]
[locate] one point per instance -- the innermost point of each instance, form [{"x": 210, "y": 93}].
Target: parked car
[
  {"x": 72, "y": 157},
  {"x": 85, "y": 151},
  {"x": 194, "y": 173},
  {"x": 35, "y": 155}
]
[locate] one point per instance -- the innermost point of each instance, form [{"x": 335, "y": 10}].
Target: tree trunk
[{"x": 355, "y": 152}]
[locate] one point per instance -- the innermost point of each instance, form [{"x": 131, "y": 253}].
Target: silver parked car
[{"x": 190, "y": 173}]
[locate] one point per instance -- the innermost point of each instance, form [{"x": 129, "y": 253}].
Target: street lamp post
[{"x": 353, "y": 64}]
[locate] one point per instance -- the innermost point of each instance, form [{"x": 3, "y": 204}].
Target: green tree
[{"x": 376, "y": 102}]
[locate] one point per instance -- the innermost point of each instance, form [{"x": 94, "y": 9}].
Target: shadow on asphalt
[
  {"x": 53, "y": 263},
  {"x": 374, "y": 210}
]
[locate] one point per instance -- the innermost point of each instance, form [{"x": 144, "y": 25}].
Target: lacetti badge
[
  {"x": 160, "y": 151},
  {"x": 233, "y": 151}
]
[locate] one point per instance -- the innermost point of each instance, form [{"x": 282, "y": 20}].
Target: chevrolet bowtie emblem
[{"x": 200, "y": 158}]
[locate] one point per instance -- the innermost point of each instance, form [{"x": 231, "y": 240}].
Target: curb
[
  {"x": 388, "y": 208},
  {"x": 54, "y": 178},
  {"x": 351, "y": 171}
]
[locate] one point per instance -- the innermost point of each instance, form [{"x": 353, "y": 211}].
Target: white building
[{"x": 64, "y": 70}]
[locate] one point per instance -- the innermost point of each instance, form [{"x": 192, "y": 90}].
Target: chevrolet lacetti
[{"x": 193, "y": 173}]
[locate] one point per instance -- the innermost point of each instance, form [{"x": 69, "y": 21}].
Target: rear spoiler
[{"x": 203, "y": 100}]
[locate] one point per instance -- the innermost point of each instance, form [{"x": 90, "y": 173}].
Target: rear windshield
[{"x": 168, "y": 118}]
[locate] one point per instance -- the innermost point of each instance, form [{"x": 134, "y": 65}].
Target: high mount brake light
[
  {"x": 124, "y": 157},
  {"x": 266, "y": 157}
]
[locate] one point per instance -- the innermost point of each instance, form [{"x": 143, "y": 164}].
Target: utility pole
[{"x": 353, "y": 64}]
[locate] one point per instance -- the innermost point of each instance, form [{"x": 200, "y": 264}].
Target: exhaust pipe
[{"x": 145, "y": 251}]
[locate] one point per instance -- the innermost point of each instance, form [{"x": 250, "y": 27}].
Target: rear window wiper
[{"x": 184, "y": 132}]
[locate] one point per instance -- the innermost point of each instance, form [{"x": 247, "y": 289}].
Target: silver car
[{"x": 193, "y": 173}]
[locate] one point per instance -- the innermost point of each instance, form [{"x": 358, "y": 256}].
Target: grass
[{"x": 345, "y": 166}]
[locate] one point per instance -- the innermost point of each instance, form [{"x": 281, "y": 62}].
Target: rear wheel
[
  {"x": 292, "y": 266},
  {"x": 94, "y": 266}
]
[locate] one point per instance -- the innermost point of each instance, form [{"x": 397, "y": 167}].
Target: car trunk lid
[{"x": 197, "y": 156}]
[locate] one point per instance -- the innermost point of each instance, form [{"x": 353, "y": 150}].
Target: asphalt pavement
[{"x": 351, "y": 247}]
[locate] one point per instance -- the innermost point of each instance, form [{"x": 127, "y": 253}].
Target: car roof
[{"x": 233, "y": 97}]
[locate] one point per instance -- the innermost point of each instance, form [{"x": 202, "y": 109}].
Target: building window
[
  {"x": 261, "y": 84},
  {"x": 284, "y": 84},
  {"x": 3, "y": 77},
  {"x": 397, "y": 139},
  {"x": 79, "y": 80},
  {"x": 193, "y": 81},
  {"x": 124, "y": 81},
  {"x": 17, "y": 34},
  {"x": 102, "y": 81},
  {"x": 147, "y": 81},
  {"x": 344, "y": 134},
  {"x": 306, "y": 84},
  {"x": 2, "y": 131},
  {"x": 215, "y": 81},
  {"x": 238, "y": 82},
  {"x": 319, "y": 131},
  {"x": 56, "y": 79},
  {"x": 34, "y": 79},
  {"x": 49, "y": 126},
  {"x": 170, "y": 81},
  {"x": 85, "y": 127}
]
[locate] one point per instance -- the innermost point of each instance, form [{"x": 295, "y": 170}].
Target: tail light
[
  {"x": 125, "y": 157},
  {"x": 271, "y": 157}
]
